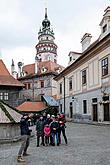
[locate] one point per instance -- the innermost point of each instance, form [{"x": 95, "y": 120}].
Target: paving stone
[{"x": 87, "y": 145}]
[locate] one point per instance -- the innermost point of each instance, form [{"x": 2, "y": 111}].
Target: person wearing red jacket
[
  {"x": 62, "y": 121},
  {"x": 47, "y": 132}
]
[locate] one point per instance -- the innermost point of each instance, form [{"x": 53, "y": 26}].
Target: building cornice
[{"x": 91, "y": 51}]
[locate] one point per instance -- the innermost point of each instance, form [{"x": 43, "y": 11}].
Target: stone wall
[{"x": 9, "y": 132}]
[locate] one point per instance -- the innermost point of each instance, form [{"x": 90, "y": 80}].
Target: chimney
[
  {"x": 12, "y": 67},
  {"x": 85, "y": 41},
  {"x": 36, "y": 64},
  {"x": 13, "y": 72},
  {"x": 20, "y": 64}
]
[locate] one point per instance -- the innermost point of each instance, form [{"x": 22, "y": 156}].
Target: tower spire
[{"x": 46, "y": 13}]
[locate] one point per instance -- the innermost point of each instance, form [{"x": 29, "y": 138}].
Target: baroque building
[
  {"x": 38, "y": 77},
  {"x": 84, "y": 86}
]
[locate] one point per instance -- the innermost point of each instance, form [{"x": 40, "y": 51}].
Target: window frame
[
  {"x": 84, "y": 106},
  {"x": 104, "y": 28},
  {"x": 104, "y": 66},
  {"x": 60, "y": 88},
  {"x": 70, "y": 84},
  {"x": 29, "y": 85},
  {"x": 70, "y": 58},
  {"x": 42, "y": 84},
  {"x": 61, "y": 108},
  {"x": 84, "y": 77},
  {"x": 1, "y": 95},
  {"x": 6, "y": 96}
]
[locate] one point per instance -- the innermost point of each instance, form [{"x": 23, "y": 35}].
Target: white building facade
[{"x": 84, "y": 86}]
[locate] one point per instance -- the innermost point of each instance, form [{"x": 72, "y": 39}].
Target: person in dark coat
[
  {"x": 54, "y": 125},
  {"x": 40, "y": 130},
  {"x": 25, "y": 136},
  {"x": 48, "y": 119},
  {"x": 44, "y": 116}
]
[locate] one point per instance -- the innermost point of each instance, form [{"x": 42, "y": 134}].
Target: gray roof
[
  {"x": 51, "y": 101},
  {"x": 8, "y": 114}
]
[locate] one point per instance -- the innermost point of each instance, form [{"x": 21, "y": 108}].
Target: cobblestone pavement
[{"x": 87, "y": 145}]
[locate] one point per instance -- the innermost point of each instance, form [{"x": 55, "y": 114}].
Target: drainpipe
[
  {"x": 64, "y": 94},
  {"x": 33, "y": 89}
]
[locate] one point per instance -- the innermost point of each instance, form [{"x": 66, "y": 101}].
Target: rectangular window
[
  {"x": 60, "y": 108},
  {"x": 29, "y": 86},
  {"x": 70, "y": 59},
  {"x": 60, "y": 88},
  {"x": 84, "y": 79},
  {"x": 5, "y": 96},
  {"x": 94, "y": 100},
  {"x": 104, "y": 64},
  {"x": 105, "y": 98},
  {"x": 55, "y": 61},
  {"x": 70, "y": 84},
  {"x": 25, "y": 87},
  {"x": 71, "y": 110},
  {"x": 1, "y": 96},
  {"x": 105, "y": 28},
  {"x": 84, "y": 106},
  {"x": 42, "y": 84}
]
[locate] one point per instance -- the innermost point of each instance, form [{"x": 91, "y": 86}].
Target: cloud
[{"x": 20, "y": 21}]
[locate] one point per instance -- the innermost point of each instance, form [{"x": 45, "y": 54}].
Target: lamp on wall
[
  {"x": 103, "y": 88},
  {"x": 74, "y": 99}
]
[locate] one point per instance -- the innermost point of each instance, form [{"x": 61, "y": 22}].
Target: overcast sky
[{"x": 20, "y": 21}]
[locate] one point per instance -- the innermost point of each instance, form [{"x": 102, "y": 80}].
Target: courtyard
[{"x": 87, "y": 145}]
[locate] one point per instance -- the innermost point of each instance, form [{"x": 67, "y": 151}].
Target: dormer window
[
  {"x": 55, "y": 61},
  {"x": 105, "y": 28},
  {"x": 70, "y": 58}
]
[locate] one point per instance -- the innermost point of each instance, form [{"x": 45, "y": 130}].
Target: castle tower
[{"x": 46, "y": 49}]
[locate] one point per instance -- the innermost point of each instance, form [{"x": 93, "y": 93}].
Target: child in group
[{"x": 47, "y": 132}]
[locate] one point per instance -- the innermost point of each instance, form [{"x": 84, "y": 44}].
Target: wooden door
[
  {"x": 95, "y": 112},
  {"x": 106, "y": 112}
]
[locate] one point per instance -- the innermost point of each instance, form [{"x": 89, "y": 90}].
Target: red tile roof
[
  {"x": 6, "y": 78},
  {"x": 9, "y": 81},
  {"x": 31, "y": 106},
  {"x": 51, "y": 66},
  {"x": 29, "y": 69},
  {"x": 3, "y": 70}
]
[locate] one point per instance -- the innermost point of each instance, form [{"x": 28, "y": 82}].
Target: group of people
[{"x": 48, "y": 130}]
